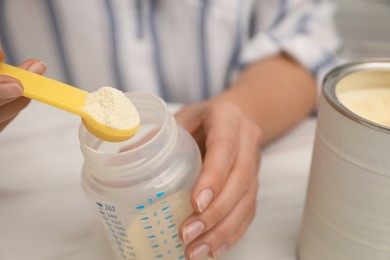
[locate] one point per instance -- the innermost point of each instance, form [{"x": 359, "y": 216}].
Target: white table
[{"x": 44, "y": 214}]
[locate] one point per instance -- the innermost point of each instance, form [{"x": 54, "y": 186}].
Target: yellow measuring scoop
[{"x": 65, "y": 97}]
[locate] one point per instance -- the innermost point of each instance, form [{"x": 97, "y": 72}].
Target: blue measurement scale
[
  {"x": 159, "y": 221},
  {"x": 161, "y": 230}
]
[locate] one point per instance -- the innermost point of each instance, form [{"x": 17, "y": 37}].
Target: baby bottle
[{"x": 141, "y": 188}]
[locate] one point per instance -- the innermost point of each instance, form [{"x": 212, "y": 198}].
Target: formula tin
[{"x": 347, "y": 211}]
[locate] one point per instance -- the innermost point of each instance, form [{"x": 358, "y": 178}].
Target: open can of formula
[{"x": 347, "y": 211}]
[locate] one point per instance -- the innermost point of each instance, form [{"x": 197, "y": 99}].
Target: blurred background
[{"x": 364, "y": 26}]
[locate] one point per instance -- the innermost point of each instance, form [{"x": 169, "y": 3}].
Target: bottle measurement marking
[
  {"x": 118, "y": 233},
  {"x": 162, "y": 231},
  {"x": 160, "y": 194}
]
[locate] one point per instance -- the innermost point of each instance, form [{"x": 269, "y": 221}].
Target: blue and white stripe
[
  {"x": 59, "y": 40},
  {"x": 116, "y": 70},
  {"x": 204, "y": 62},
  {"x": 158, "y": 65},
  {"x": 182, "y": 50}
]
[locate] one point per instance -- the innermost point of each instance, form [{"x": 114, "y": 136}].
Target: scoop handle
[{"x": 47, "y": 90}]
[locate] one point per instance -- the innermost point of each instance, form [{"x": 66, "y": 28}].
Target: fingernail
[
  {"x": 10, "y": 90},
  {"x": 204, "y": 199},
  {"x": 37, "y": 67},
  {"x": 220, "y": 250},
  {"x": 192, "y": 231},
  {"x": 199, "y": 251}
]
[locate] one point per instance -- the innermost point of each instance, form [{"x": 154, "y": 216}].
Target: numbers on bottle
[
  {"x": 116, "y": 230},
  {"x": 116, "y": 222},
  {"x": 112, "y": 216},
  {"x": 109, "y": 208},
  {"x": 119, "y": 228}
]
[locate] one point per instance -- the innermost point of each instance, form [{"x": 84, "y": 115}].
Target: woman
[{"x": 246, "y": 70}]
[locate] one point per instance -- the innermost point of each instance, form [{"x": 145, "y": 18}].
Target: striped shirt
[{"x": 182, "y": 50}]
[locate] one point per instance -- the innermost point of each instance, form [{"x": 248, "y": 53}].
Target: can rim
[{"x": 332, "y": 78}]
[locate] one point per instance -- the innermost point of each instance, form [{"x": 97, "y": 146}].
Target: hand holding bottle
[{"x": 225, "y": 196}]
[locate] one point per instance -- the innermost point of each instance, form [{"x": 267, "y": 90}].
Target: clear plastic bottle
[{"x": 140, "y": 189}]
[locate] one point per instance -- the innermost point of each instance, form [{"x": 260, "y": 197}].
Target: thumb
[{"x": 190, "y": 116}]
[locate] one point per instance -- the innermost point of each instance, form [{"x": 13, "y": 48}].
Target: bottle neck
[{"x": 129, "y": 160}]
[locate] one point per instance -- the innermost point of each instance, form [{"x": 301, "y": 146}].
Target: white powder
[
  {"x": 370, "y": 103},
  {"x": 112, "y": 108}
]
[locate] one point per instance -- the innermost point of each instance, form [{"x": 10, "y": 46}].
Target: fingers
[
  {"x": 10, "y": 105},
  {"x": 239, "y": 178},
  {"x": 11, "y": 88},
  {"x": 240, "y": 192},
  {"x": 11, "y": 109},
  {"x": 221, "y": 125},
  {"x": 11, "y": 91},
  {"x": 225, "y": 194},
  {"x": 224, "y": 235},
  {"x": 34, "y": 65},
  {"x": 190, "y": 117}
]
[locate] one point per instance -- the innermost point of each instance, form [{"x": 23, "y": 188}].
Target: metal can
[{"x": 347, "y": 210}]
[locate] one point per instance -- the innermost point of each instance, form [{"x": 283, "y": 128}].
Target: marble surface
[{"x": 44, "y": 214}]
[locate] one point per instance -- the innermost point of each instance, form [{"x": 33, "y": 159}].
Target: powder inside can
[{"x": 111, "y": 107}]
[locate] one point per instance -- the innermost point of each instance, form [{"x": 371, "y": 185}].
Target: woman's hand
[
  {"x": 257, "y": 108},
  {"x": 11, "y": 90},
  {"x": 224, "y": 197}
]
